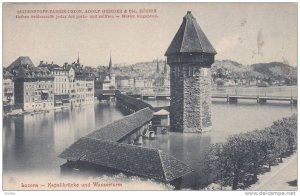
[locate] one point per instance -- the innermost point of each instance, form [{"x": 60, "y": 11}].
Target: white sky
[{"x": 244, "y": 32}]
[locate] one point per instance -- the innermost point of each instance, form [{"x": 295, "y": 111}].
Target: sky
[{"x": 244, "y": 32}]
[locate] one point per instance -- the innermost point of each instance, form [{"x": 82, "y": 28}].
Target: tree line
[{"x": 238, "y": 161}]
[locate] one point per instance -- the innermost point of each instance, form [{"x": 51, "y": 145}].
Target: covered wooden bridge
[{"x": 130, "y": 159}]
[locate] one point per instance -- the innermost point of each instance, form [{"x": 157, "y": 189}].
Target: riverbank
[{"x": 20, "y": 112}]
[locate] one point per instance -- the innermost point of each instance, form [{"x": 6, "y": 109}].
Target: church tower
[
  {"x": 190, "y": 56},
  {"x": 110, "y": 68}
]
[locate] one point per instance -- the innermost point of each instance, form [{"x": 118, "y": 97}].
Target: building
[
  {"x": 99, "y": 77},
  {"x": 8, "y": 88},
  {"x": 109, "y": 82},
  {"x": 84, "y": 89},
  {"x": 190, "y": 56},
  {"x": 64, "y": 86},
  {"x": 161, "y": 121},
  {"x": 74, "y": 84},
  {"x": 84, "y": 84},
  {"x": 33, "y": 86}
]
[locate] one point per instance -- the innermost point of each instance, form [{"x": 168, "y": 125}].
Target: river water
[{"x": 31, "y": 143}]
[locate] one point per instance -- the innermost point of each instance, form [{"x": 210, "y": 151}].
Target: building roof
[
  {"x": 190, "y": 38},
  {"x": 119, "y": 129},
  {"x": 7, "y": 75},
  {"x": 133, "y": 102},
  {"x": 51, "y": 66},
  {"x": 161, "y": 112},
  {"x": 33, "y": 72},
  {"x": 146, "y": 162},
  {"x": 22, "y": 61}
]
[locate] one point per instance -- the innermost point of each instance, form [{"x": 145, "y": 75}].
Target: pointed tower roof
[
  {"x": 110, "y": 65},
  {"x": 78, "y": 62},
  {"x": 190, "y": 38}
]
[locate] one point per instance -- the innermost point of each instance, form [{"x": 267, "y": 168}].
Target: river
[{"x": 31, "y": 143}]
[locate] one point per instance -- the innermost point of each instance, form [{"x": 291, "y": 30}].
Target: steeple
[
  {"x": 78, "y": 62},
  {"x": 157, "y": 66},
  {"x": 110, "y": 69}
]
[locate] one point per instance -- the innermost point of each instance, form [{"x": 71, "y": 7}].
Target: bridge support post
[
  {"x": 262, "y": 100},
  {"x": 294, "y": 101},
  {"x": 232, "y": 99}
]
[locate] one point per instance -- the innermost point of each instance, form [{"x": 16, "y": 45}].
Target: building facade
[
  {"x": 33, "y": 89},
  {"x": 8, "y": 88},
  {"x": 190, "y": 56}
]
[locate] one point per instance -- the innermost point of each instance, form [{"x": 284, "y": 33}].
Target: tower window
[{"x": 191, "y": 71}]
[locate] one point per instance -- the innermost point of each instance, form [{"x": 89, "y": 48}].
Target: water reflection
[{"x": 32, "y": 142}]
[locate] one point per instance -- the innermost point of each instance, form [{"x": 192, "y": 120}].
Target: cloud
[
  {"x": 227, "y": 43},
  {"x": 260, "y": 42}
]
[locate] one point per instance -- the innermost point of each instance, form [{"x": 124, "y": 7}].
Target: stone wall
[
  {"x": 190, "y": 109},
  {"x": 176, "y": 102}
]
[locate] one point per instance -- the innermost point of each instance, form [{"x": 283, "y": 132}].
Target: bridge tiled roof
[
  {"x": 133, "y": 102},
  {"x": 146, "y": 162},
  {"x": 190, "y": 38},
  {"x": 119, "y": 129}
]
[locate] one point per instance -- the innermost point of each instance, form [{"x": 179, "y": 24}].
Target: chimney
[{"x": 41, "y": 62}]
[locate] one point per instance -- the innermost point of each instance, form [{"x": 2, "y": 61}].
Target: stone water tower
[{"x": 190, "y": 56}]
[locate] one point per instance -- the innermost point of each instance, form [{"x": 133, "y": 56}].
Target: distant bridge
[{"x": 229, "y": 98}]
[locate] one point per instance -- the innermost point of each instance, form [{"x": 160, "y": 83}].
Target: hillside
[
  {"x": 224, "y": 69},
  {"x": 274, "y": 69}
]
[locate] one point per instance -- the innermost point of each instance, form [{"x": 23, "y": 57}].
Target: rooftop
[
  {"x": 161, "y": 112},
  {"x": 33, "y": 72},
  {"x": 190, "y": 38},
  {"x": 146, "y": 162},
  {"x": 119, "y": 129}
]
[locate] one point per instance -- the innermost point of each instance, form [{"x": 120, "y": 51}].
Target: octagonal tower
[{"x": 190, "y": 56}]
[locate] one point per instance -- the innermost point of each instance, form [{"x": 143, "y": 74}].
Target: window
[{"x": 191, "y": 71}]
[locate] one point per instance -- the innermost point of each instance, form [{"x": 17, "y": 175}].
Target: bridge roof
[
  {"x": 146, "y": 162},
  {"x": 135, "y": 103},
  {"x": 119, "y": 129},
  {"x": 190, "y": 38}
]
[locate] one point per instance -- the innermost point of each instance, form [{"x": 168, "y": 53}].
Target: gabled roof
[
  {"x": 161, "y": 112},
  {"x": 146, "y": 162},
  {"x": 190, "y": 38},
  {"x": 119, "y": 129}
]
